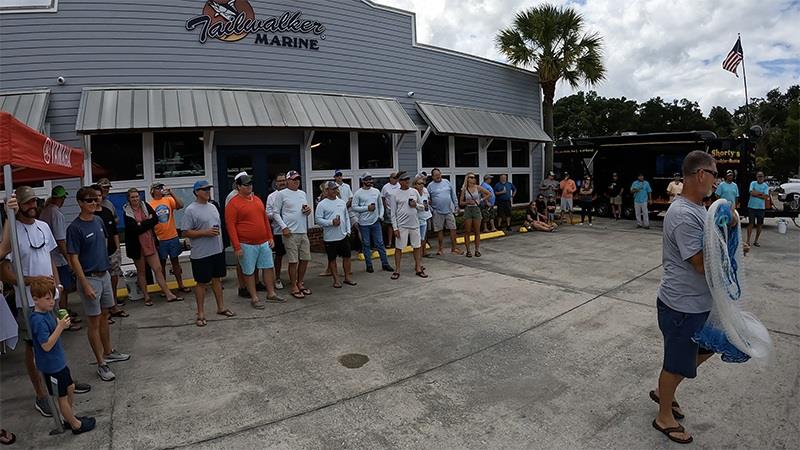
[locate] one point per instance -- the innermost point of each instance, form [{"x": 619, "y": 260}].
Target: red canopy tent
[{"x": 26, "y": 156}]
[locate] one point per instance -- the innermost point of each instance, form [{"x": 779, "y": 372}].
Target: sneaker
[
  {"x": 116, "y": 356},
  {"x": 370, "y": 269},
  {"x": 278, "y": 284},
  {"x": 82, "y": 388},
  {"x": 87, "y": 424},
  {"x": 387, "y": 268},
  {"x": 243, "y": 293},
  {"x": 43, "y": 406},
  {"x": 105, "y": 373}
]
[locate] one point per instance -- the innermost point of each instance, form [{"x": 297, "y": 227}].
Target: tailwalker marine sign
[{"x": 234, "y": 20}]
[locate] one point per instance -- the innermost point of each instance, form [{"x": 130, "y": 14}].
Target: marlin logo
[{"x": 226, "y": 10}]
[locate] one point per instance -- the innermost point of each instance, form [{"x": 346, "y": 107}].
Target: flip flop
[
  {"x": 337, "y": 285},
  {"x": 185, "y": 289},
  {"x": 148, "y": 302},
  {"x": 477, "y": 254},
  {"x": 439, "y": 253},
  {"x": 226, "y": 313},
  {"x": 675, "y": 404},
  {"x": 667, "y": 432},
  {"x": 201, "y": 322},
  {"x": 120, "y": 313},
  {"x": 422, "y": 274},
  {"x": 257, "y": 305},
  {"x": 756, "y": 244},
  {"x": 350, "y": 283},
  {"x": 457, "y": 251},
  {"x": 306, "y": 291},
  {"x": 395, "y": 276},
  {"x": 176, "y": 299},
  {"x": 7, "y": 437},
  {"x": 297, "y": 294}
]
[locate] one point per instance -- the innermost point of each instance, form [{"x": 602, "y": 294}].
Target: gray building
[{"x": 183, "y": 90}]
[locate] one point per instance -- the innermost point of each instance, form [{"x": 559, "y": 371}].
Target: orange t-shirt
[
  {"x": 165, "y": 211},
  {"x": 567, "y": 188},
  {"x": 246, "y": 221}
]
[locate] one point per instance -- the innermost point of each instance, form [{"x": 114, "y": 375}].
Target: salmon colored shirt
[
  {"x": 246, "y": 221},
  {"x": 165, "y": 211},
  {"x": 567, "y": 188}
]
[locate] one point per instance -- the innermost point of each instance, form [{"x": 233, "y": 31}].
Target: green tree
[
  {"x": 721, "y": 121},
  {"x": 550, "y": 40}
]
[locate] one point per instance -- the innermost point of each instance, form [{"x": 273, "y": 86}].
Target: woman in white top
[
  {"x": 425, "y": 213},
  {"x": 472, "y": 194}
]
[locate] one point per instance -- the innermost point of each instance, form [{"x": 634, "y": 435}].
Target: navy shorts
[
  {"x": 63, "y": 378},
  {"x": 66, "y": 277},
  {"x": 171, "y": 248},
  {"x": 279, "y": 249},
  {"x": 208, "y": 268},
  {"x": 755, "y": 216},
  {"x": 678, "y": 328},
  {"x": 338, "y": 248}
]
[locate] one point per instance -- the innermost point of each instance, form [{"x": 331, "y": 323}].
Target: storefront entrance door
[{"x": 264, "y": 163}]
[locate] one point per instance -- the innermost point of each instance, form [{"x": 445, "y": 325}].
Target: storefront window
[
  {"x": 466, "y": 152},
  {"x": 522, "y": 181},
  {"x": 178, "y": 154},
  {"x": 436, "y": 151},
  {"x": 520, "y": 155},
  {"x": 117, "y": 157},
  {"x": 330, "y": 150},
  {"x": 497, "y": 153},
  {"x": 375, "y": 151}
]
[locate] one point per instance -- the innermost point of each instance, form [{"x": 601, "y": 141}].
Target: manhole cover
[{"x": 353, "y": 360}]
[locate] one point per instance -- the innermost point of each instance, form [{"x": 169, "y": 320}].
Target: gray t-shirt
[
  {"x": 683, "y": 288},
  {"x": 549, "y": 188},
  {"x": 52, "y": 215},
  {"x": 202, "y": 216}
]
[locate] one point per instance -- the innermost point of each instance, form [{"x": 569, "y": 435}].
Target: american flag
[{"x": 734, "y": 57}]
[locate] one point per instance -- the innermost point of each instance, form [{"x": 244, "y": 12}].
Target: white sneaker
[
  {"x": 105, "y": 373},
  {"x": 278, "y": 284}
]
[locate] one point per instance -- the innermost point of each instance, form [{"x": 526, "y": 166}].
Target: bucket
[
  {"x": 132, "y": 283},
  {"x": 782, "y": 225}
]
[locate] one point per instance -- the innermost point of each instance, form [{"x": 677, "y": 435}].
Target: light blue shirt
[
  {"x": 754, "y": 202},
  {"x": 728, "y": 191},
  {"x": 642, "y": 194},
  {"x": 491, "y": 200},
  {"x": 443, "y": 196},
  {"x": 327, "y": 210},
  {"x": 289, "y": 210},
  {"x": 361, "y": 201}
]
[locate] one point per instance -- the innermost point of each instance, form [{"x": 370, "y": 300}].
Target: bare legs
[
  {"x": 33, "y": 373},
  {"x": 154, "y": 264},
  {"x": 667, "y": 385},
  {"x": 65, "y": 406},
  {"x": 99, "y": 338},
  {"x": 200, "y": 295},
  {"x": 176, "y": 269}
]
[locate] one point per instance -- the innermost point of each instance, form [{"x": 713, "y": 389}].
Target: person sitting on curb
[
  {"x": 333, "y": 217},
  {"x": 49, "y": 353},
  {"x": 535, "y": 219}
]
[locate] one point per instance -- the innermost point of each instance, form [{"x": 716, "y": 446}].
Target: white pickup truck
[{"x": 789, "y": 195}]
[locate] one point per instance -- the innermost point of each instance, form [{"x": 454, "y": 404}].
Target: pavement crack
[{"x": 402, "y": 380}]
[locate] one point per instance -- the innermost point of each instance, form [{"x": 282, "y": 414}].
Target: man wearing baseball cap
[
  {"x": 675, "y": 187},
  {"x": 387, "y": 190},
  {"x": 165, "y": 204},
  {"x": 332, "y": 216},
  {"x": 291, "y": 213},
  {"x": 368, "y": 206},
  {"x": 53, "y": 217},
  {"x": 202, "y": 225},
  {"x": 488, "y": 212},
  {"x": 728, "y": 190}
]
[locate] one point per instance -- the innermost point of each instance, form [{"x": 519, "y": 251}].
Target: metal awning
[
  {"x": 457, "y": 120},
  {"x": 148, "y": 108},
  {"x": 29, "y": 107}
]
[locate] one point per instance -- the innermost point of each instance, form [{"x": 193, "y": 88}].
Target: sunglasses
[
  {"x": 36, "y": 246},
  {"x": 246, "y": 184},
  {"x": 714, "y": 173},
  {"x": 205, "y": 189},
  {"x": 89, "y": 200}
]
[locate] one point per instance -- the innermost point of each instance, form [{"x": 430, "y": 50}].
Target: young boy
[
  {"x": 49, "y": 354},
  {"x": 551, "y": 210}
]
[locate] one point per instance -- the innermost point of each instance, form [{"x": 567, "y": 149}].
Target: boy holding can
[{"x": 49, "y": 353}]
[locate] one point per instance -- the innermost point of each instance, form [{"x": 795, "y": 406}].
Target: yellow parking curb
[
  {"x": 492, "y": 235},
  {"x": 389, "y": 252},
  {"x": 151, "y": 288}
]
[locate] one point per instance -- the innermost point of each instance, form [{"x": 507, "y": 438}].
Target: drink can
[{"x": 62, "y": 313}]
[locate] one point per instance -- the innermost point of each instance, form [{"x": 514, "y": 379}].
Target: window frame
[{"x": 52, "y": 8}]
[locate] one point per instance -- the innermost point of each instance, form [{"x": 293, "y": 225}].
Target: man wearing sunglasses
[{"x": 87, "y": 246}]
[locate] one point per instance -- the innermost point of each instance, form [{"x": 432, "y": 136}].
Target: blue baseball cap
[
  {"x": 337, "y": 173},
  {"x": 200, "y": 184}
]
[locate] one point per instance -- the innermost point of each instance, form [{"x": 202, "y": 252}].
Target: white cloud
[{"x": 667, "y": 48}]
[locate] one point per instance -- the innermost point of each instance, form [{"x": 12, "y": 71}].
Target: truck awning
[
  {"x": 463, "y": 121},
  {"x": 29, "y": 107},
  {"x": 148, "y": 108}
]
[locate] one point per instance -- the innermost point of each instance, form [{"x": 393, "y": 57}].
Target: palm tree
[{"x": 550, "y": 39}]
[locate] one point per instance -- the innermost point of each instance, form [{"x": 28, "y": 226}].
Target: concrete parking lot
[{"x": 547, "y": 341}]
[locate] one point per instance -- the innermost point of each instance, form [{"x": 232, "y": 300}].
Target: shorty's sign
[
  {"x": 56, "y": 153},
  {"x": 727, "y": 156},
  {"x": 234, "y": 20}
]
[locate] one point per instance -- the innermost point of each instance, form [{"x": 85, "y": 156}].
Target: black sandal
[
  {"x": 395, "y": 275},
  {"x": 7, "y": 437},
  {"x": 675, "y": 404},
  {"x": 668, "y": 432},
  {"x": 422, "y": 274}
]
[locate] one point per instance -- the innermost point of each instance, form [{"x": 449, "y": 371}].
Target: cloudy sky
[{"x": 667, "y": 48}]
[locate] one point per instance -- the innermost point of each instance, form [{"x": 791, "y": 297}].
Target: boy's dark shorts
[
  {"x": 63, "y": 378},
  {"x": 338, "y": 248},
  {"x": 278, "y": 248},
  {"x": 678, "y": 328},
  {"x": 204, "y": 270},
  {"x": 755, "y": 216}
]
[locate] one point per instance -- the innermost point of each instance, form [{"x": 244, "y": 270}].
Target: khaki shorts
[
  {"x": 408, "y": 236},
  {"x": 297, "y": 248},
  {"x": 441, "y": 221},
  {"x": 616, "y": 200},
  {"x": 116, "y": 262}
]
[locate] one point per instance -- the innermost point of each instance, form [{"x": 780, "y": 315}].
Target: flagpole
[{"x": 744, "y": 77}]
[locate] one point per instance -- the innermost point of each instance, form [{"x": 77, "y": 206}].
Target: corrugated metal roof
[
  {"x": 142, "y": 108},
  {"x": 29, "y": 107},
  {"x": 480, "y": 122}
]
